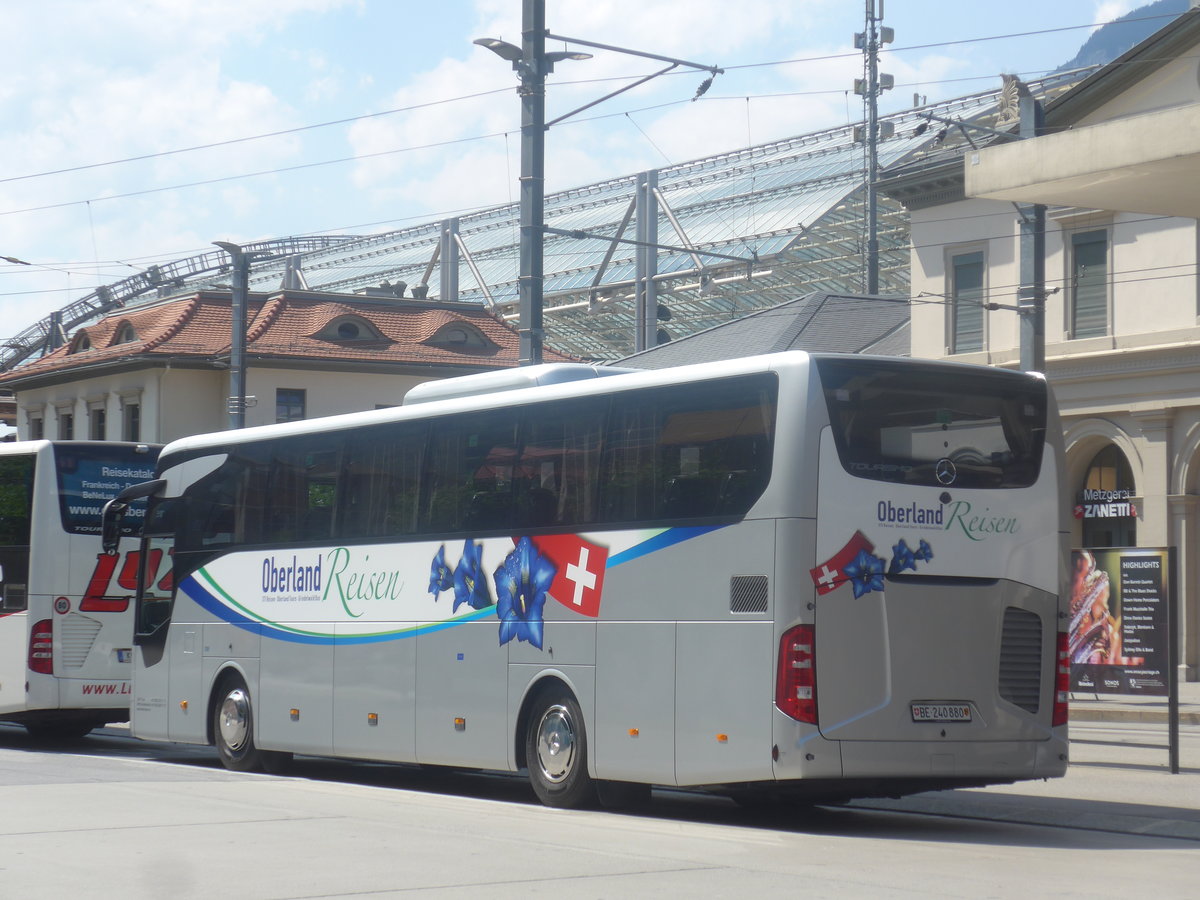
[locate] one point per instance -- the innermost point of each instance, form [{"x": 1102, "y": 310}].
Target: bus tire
[
  {"x": 233, "y": 727},
  {"x": 556, "y": 751}
]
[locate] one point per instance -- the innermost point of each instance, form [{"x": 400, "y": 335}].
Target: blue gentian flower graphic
[
  {"x": 470, "y": 581},
  {"x": 865, "y": 572},
  {"x": 440, "y": 576},
  {"x": 924, "y": 552},
  {"x": 521, "y": 585},
  {"x": 902, "y": 558}
]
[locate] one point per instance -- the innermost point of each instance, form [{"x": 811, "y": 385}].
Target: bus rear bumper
[
  {"x": 978, "y": 761},
  {"x": 813, "y": 766},
  {"x": 999, "y": 761}
]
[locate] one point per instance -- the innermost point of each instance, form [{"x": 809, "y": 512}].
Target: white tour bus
[
  {"x": 66, "y": 612},
  {"x": 811, "y": 575}
]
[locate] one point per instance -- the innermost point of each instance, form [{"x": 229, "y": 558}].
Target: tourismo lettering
[
  {"x": 912, "y": 514},
  {"x": 352, "y": 582},
  {"x": 979, "y": 527},
  {"x": 290, "y": 579}
]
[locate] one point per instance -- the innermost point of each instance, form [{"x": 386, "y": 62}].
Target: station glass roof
[{"x": 794, "y": 210}]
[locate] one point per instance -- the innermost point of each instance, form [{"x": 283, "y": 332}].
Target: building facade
[
  {"x": 161, "y": 371},
  {"x": 1115, "y": 168}
]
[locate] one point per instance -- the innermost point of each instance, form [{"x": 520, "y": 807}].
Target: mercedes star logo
[{"x": 945, "y": 471}]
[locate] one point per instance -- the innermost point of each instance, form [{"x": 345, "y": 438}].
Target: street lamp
[
  {"x": 236, "y": 403},
  {"x": 532, "y": 63}
]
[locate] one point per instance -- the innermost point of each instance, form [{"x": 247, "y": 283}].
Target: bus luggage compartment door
[{"x": 933, "y": 658}]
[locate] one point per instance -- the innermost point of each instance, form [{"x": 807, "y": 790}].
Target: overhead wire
[
  {"x": 438, "y": 144},
  {"x": 572, "y": 82}
]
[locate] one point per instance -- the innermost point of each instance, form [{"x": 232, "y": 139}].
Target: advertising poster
[{"x": 1119, "y": 634}]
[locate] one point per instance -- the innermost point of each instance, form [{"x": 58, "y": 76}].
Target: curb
[{"x": 1144, "y": 716}]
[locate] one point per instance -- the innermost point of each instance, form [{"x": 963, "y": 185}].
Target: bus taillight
[
  {"x": 796, "y": 680},
  {"x": 41, "y": 647},
  {"x": 1062, "y": 680}
]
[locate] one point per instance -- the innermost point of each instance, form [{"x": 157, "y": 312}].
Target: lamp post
[
  {"x": 236, "y": 403},
  {"x": 532, "y": 63},
  {"x": 1031, "y": 297}
]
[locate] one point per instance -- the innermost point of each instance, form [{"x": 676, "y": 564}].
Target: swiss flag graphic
[
  {"x": 828, "y": 575},
  {"x": 579, "y": 581}
]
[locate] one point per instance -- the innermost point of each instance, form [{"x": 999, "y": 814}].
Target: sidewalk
[{"x": 1119, "y": 708}]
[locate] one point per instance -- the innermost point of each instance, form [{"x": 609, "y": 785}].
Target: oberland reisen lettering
[
  {"x": 979, "y": 527},
  {"x": 956, "y": 516},
  {"x": 287, "y": 579},
  {"x": 911, "y": 514}
]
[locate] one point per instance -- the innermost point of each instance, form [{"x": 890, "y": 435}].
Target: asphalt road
[{"x": 114, "y": 817}]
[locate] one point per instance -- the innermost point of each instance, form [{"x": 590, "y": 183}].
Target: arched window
[
  {"x": 1106, "y": 502},
  {"x": 81, "y": 342},
  {"x": 125, "y": 334}
]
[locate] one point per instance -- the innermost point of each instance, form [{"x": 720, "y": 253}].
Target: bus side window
[
  {"x": 469, "y": 474},
  {"x": 16, "y": 499},
  {"x": 688, "y": 453},
  {"x": 381, "y": 481},
  {"x": 630, "y": 477},
  {"x": 556, "y": 474}
]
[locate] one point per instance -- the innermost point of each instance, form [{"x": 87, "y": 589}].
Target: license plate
[{"x": 941, "y": 712}]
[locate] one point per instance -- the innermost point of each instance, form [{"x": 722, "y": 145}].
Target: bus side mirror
[
  {"x": 110, "y": 524},
  {"x": 114, "y": 511}
]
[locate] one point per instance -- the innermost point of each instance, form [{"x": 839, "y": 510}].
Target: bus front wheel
[
  {"x": 556, "y": 752},
  {"x": 233, "y": 732}
]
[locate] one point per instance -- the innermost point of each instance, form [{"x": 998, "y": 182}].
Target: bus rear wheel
[
  {"x": 233, "y": 732},
  {"x": 556, "y": 752}
]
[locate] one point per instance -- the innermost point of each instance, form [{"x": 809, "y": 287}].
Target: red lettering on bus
[{"x": 93, "y": 597}]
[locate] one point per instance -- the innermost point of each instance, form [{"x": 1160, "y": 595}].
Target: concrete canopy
[
  {"x": 1125, "y": 138},
  {"x": 1146, "y": 163}
]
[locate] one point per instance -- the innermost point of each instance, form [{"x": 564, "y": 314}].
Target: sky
[{"x": 140, "y": 131}]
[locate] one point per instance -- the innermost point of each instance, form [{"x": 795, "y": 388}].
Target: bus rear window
[
  {"x": 91, "y": 475},
  {"x": 935, "y": 425}
]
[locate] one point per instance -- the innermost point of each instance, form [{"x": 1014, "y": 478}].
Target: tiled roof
[
  {"x": 289, "y": 325},
  {"x": 821, "y": 321}
]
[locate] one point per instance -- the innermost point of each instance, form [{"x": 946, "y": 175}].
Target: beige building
[
  {"x": 160, "y": 371},
  {"x": 1117, "y": 168}
]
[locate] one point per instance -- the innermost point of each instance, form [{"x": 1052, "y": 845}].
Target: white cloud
[
  {"x": 87, "y": 81},
  {"x": 1109, "y": 10}
]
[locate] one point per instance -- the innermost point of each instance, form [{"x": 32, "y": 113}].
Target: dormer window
[
  {"x": 81, "y": 342},
  {"x": 125, "y": 334},
  {"x": 346, "y": 329},
  {"x": 461, "y": 336}
]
